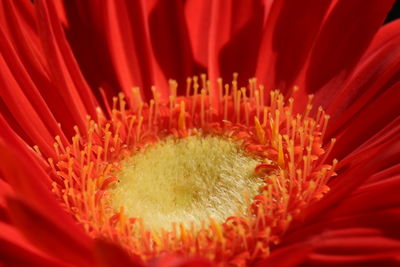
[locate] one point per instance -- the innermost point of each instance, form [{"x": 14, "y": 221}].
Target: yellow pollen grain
[{"x": 186, "y": 180}]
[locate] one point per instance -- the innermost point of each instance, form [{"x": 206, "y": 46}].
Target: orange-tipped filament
[{"x": 283, "y": 171}]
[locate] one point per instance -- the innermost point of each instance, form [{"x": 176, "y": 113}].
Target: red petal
[
  {"x": 20, "y": 106},
  {"x": 109, "y": 255},
  {"x": 16, "y": 251},
  {"x": 384, "y": 221},
  {"x": 289, "y": 255},
  {"x": 218, "y": 37},
  {"x": 198, "y": 18},
  {"x": 375, "y": 75},
  {"x": 85, "y": 32},
  {"x": 349, "y": 246},
  {"x": 337, "y": 51},
  {"x": 179, "y": 261},
  {"x": 129, "y": 45},
  {"x": 356, "y": 173},
  {"x": 20, "y": 27},
  {"x": 24, "y": 55},
  {"x": 388, "y": 134},
  {"x": 5, "y": 191},
  {"x": 288, "y": 37},
  {"x": 22, "y": 97},
  {"x": 170, "y": 41},
  {"x": 47, "y": 235},
  {"x": 368, "y": 121},
  {"x": 234, "y": 36},
  {"x": 385, "y": 34},
  {"x": 244, "y": 28},
  {"x": 357, "y": 199},
  {"x": 355, "y": 246},
  {"x": 377, "y": 195},
  {"x": 370, "y": 198},
  {"x": 43, "y": 215},
  {"x": 64, "y": 71}
]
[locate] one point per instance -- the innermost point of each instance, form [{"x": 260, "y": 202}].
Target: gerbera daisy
[{"x": 183, "y": 133}]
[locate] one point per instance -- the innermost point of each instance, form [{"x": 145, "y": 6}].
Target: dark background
[{"x": 394, "y": 13}]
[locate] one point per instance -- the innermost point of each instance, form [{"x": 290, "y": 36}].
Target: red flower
[{"x": 55, "y": 56}]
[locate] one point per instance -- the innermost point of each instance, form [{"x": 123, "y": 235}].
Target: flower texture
[{"x": 199, "y": 133}]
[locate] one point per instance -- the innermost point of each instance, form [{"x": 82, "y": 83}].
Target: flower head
[{"x": 119, "y": 149}]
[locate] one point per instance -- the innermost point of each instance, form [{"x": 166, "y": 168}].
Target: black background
[{"x": 394, "y": 13}]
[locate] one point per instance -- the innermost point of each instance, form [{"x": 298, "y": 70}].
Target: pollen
[
  {"x": 222, "y": 172},
  {"x": 187, "y": 180}
]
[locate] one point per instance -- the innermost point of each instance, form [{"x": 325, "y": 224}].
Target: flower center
[
  {"x": 187, "y": 180},
  {"x": 151, "y": 175}
]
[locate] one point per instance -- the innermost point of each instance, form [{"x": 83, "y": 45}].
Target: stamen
[{"x": 182, "y": 121}]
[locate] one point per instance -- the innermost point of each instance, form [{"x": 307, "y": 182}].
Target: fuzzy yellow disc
[{"x": 185, "y": 180}]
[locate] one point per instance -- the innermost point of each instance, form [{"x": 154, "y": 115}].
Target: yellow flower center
[
  {"x": 187, "y": 180},
  {"x": 221, "y": 172}
]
